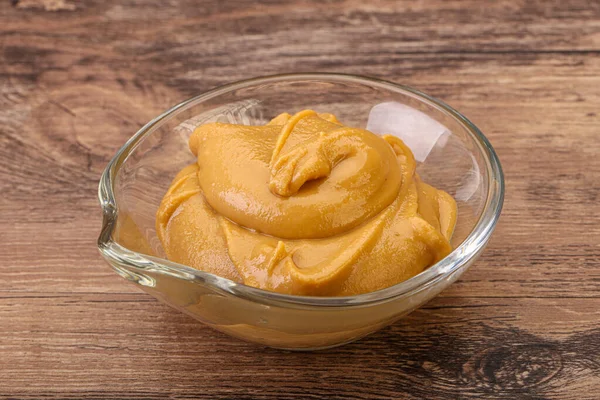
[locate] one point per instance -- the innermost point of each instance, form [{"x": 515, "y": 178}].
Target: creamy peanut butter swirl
[{"x": 304, "y": 205}]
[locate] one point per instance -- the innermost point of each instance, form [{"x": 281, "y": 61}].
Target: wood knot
[{"x": 515, "y": 367}]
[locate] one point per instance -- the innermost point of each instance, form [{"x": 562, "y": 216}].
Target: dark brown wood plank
[
  {"x": 450, "y": 347},
  {"x": 314, "y": 27},
  {"x": 78, "y": 78}
]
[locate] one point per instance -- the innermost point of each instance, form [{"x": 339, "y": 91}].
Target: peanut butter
[{"x": 304, "y": 205}]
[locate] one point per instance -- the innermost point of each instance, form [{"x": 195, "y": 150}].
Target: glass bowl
[{"x": 454, "y": 156}]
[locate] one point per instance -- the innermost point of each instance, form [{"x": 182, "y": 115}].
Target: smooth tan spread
[{"x": 304, "y": 205}]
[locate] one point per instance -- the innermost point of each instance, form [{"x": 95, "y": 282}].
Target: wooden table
[{"x": 78, "y": 78}]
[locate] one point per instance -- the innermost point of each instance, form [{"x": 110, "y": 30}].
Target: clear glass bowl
[{"x": 461, "y": 162}]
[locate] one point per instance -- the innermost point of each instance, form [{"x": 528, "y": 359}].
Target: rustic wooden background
[{"x": 77, "y": 78}]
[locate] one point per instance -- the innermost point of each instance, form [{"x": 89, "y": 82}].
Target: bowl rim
[{"x": 471, "y": 245}]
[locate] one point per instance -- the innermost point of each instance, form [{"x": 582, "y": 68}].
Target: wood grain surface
[{"x": 77, "y": 78}]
